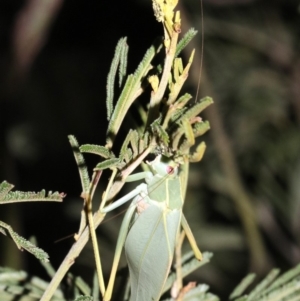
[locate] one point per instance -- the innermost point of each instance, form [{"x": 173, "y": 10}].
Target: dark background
[{"x": 244, "y": 198}]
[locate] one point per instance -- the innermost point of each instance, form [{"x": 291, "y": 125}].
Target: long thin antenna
[{"x": 202, "y": 50}]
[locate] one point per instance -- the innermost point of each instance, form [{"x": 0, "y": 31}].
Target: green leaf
[
  {"x": 29, "y": 196},
  {"x": 182, "y": 100},
  {"x": 190, "y": 264},
  {"x": 177, "y": 115},
  {"x": 134, "y": 142},
  {"x": 200, "y": 128},
  {"x": 128, "y": 155},
  {"x": 284, "y": 278},
  {"x": 144, "y": 142},
  {"x": 144, "y": 65},
  {"x": 22, "y": 243},
  {"x": 119, "y": 52},
  {"x": 120, "y": 110},
  {"x": 158, "y": 130},
  {"x": 99, "y": 150},
  {"x": 286, "y": 287},
  {"x": 242, "y": 286},
  {"x": 83, "y": 172},
  {"x": 196, "y": 109},
  {"x": 200, "y": 292},
  {"x": 5, "y": 188},
  {"x": 110, "y": 163},
  {"x": 263, "y": 284},
  {"x": 10, "y": 275},
  {"x": 132, "y": 138},
  {"x": 129, "y": 94},
  {"x": 185, "y": 40},
  {"x": 123, "y": 63},
  {"x": 290, "y": 289}
]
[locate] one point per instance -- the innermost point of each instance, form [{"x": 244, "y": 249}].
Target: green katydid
[{"x": 150, "y": 242}]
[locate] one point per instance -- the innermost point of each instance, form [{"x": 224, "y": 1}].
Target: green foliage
[
  {"x": 83, "y": 173},
  {"x": 285, "y": 287},
  {"x": 190, "y": 34},
  {"x": 120, "y": 59},
  {"x": 110, "y": 163},
  {"x": 97, "y": 150},
  {"x": 129, "y": 93},
  {"x": 14, "y": 284},
  {"x": 22, "y": 243},
  {"x": 158, "y": 130},
  {"x": 189, "y": 265},
  {"x": 126, "y": 153},
  {"x": 7, "y": 196},
  {"x": 5, "y": 188},
  {"x": 157, "y": 134},
  {"x": 169, "y": 127},
  {"x": 238, "y": 291},
  {"x": 173, "y": 131},
  {"x": 18, "y": 285}
]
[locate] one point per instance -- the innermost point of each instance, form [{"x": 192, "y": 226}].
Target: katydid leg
[
  {"x": 125, "y": 198},
  {"x": 120, "y": 243},
  {"x": 123, "y": 232},
  {"x": 190, "y": 237}
]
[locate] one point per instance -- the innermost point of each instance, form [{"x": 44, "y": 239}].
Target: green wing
[{"x": 149, "y": 250}]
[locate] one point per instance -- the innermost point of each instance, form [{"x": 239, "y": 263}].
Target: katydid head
[{"x": 164, "y": 166}]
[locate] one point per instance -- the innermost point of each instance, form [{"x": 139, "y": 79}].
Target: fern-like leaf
[
  {"x": 120, "y": 110},
  {"x": 22, "y": 243},
  {"x": 190, "y": 264},
  {"x": 200, "y": 128},
  {"x": 28, "y": 196},
  {"x": 5, "y": 188},
  {"x": 185, "y": 40},
  {"x": 286, "y": 277},
  {"x": 134, "y": 142},
  {"x": 123, "y": 63},
  {"x": 133, "y": 83},
  {"x": 160, "y": 132},
  {"x": 132, "y": 137},
  {"x": 144, "y": 65},
  {"x": 286, "y": 287},
  {"x": 182, "y": 100},
  {"x": 110, "y": 163},
  {"x": 144, "y": 142},
  {"x": 196, "y": 109},
  {"x": 119, "y": 52},
  {"x": 83, "y": 172},
  {"x": 263, "y": 284},
  {"x": 128, "y": 155},
  {"x": 242, "y": 286},
  {"x": 99, "y": 150}
]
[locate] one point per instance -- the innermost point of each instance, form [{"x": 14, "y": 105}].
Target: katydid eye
[{"x": 170, "y": 170}]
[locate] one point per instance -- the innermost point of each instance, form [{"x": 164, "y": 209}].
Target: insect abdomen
[{"x": 149, "y": 250}]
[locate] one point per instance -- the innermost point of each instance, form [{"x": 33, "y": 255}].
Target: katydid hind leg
[
  {"x": 120, "y": 243},
  {"x": 191, "y": 237}
]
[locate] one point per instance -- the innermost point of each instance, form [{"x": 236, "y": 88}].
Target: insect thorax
[{"x": 166, "y": 190}]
